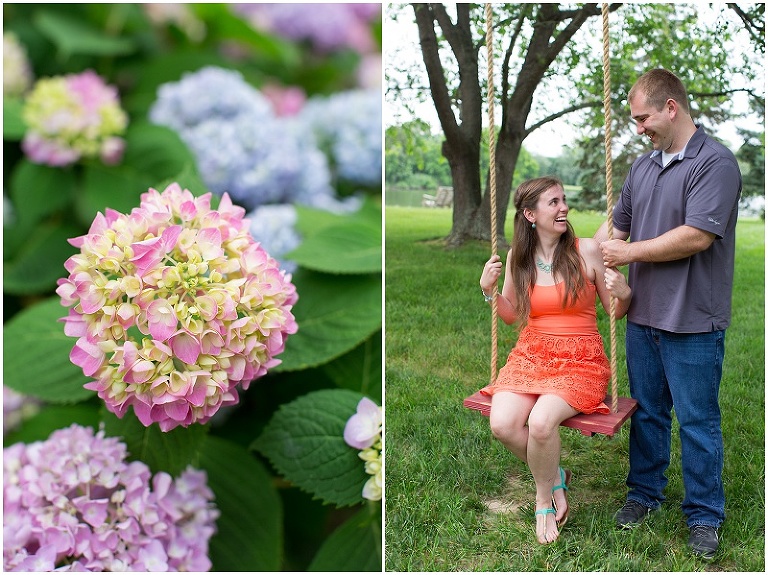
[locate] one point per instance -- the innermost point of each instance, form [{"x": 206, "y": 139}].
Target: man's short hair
[{"x": 658, "y": 86}]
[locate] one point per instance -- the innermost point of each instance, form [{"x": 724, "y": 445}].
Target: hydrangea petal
[
  {"x": 186, "y": 347},
  {"x": 162, "y": 319}
]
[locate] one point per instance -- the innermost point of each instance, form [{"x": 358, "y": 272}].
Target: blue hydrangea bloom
[
  {"x": 274, "y": 227},
  {"x": 348, "y": 126},
  {"x": 210, "y": 92},
  {"x": 241, "y": 146}
]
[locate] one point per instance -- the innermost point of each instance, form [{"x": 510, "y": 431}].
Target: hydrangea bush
[
  {"x": 186, "y": 347},
  {"x": 74, "y": 503},
  {"x": 174, "y": 305},
  {"x": 246, "y": 148},
  {"x": 348, "y": 125}
]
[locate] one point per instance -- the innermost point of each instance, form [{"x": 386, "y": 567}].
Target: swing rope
[
  {"x": 492, "y": 184},
  {"x": 609, "y": 194},
  {"x": 608, "y": 186}
]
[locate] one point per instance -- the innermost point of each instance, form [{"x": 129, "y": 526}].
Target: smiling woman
[{"x": 558, "y": 367}]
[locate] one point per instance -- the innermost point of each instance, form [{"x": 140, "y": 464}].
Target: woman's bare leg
[
  {"x": 509, "y": 421},
  {"x": 544, "y": 459}
]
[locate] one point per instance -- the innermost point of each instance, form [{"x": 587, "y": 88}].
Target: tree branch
[
  {"x": 564, "y": 112},
  {"x": 524, "y": 13},
  {"x": 429, "y": 49},
  {"x": 755, "y": 27}
]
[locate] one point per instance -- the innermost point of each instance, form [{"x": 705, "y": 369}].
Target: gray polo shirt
[{"x": 698, "y": 188}]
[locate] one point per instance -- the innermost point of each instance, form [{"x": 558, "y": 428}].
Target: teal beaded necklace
[{"x": 546, "y": 268}]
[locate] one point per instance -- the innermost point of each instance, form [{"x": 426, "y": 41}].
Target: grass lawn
[{"x": 456, "y": 500}]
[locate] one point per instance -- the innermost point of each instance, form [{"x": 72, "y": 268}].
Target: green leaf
[
  {"x": 312, "y": 220},
  {"x": 250, "y": 530},
  {"x": 50, "y": 418},
  {"x": 169, "y": 451},
  {"x": 355, "y": 546},
  {"x": 152, "y": 155},
  {"x": 40, "y": 260},
  {"x": 335, "y": 243},
  {"x": 36, "y": 355},
  {"x": 360, "y": 369},
  {"x": 351, "y": 247},
  {"x": 14, "y": 127},
  {"x": 334, "y": 314},
  {"x": 304, "y": 440},
  {"x": 73, "y": 37},
  {"x": 224, "y": 23},
  {"x": 38, "y": 191}
]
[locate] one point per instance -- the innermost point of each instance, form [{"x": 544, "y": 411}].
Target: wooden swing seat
[{"x": 588, "y": 424}]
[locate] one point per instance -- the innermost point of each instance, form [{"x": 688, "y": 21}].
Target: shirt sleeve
[
  {"x": 713, "y": 195},
  {"x": 622, "y": 211}
]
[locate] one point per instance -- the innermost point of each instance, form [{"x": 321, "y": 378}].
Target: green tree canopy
[{"x": 548, "y": 58}]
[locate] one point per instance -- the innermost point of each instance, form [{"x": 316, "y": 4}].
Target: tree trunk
[
  {"x": 463, "y": 160},
  {"x": 462, "y": 138}
]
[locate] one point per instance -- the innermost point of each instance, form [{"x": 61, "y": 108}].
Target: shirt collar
[{"x": 692, "y": 147}]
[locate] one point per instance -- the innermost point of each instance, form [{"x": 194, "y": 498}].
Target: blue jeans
[{"x": 682, "y": 370}]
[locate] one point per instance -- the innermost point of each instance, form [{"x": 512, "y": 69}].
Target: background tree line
[
  {"x": 414, "y": 160},
  {"x": 414, "y": 164}
]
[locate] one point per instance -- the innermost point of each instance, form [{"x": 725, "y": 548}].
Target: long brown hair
[{"x": 566, "y": 264}]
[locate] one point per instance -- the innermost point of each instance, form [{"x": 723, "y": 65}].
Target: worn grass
[{"x": 456, "y": 500}]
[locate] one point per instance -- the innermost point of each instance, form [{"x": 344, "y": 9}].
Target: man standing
[{"x": 679, "y": 206}]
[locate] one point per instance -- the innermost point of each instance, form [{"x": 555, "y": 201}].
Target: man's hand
[{"x": 616, "y": 253}]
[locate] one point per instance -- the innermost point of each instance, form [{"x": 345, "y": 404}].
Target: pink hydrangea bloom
[
  {"x": 73, "y": 503},
  {"x": 72, "y": 117},
  {"x": 363, "y": 431},
  {"x": 174, "y": 305},
  {"x": 286, "y": 101},
  {"x": 364, "y": 427}
]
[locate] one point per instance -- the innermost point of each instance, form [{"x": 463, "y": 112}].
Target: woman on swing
[{"x": 558, "y": 367}]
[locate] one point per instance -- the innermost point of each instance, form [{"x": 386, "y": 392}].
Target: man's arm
[
  {"x": 676, "y": 244},
  {"x": 601, "y": 234}
]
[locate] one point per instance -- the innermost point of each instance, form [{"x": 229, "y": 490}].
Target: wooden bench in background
[{"x": 443, "y": 199}]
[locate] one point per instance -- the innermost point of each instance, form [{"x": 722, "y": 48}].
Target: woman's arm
[
  {"x": 505, "y": 301},
  {"x": 608, "y": 281}
]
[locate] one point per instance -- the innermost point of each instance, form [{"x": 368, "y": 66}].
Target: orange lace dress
[{"x": 559, "y": 351}]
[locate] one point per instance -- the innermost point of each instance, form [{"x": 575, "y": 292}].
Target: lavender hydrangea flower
[
  {"x": 327, "y": 27},
  {"x": 73, "y": 503},
  {"x": 209, "y": 93},
  {"x": 349, "y": 124}
]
